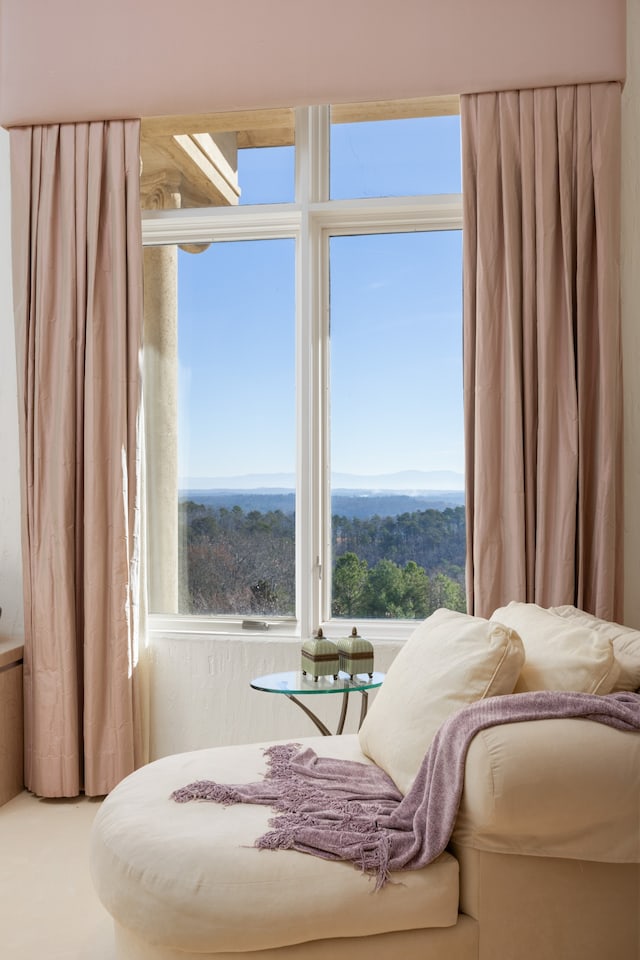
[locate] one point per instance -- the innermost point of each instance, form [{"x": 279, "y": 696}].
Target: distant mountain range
[
  {"x": 407, "y": 481},
  {"x": 360, "y": 504}
]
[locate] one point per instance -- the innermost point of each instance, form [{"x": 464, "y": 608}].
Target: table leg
[
  {"x": 324, "y": 730},
  {"x": 343, "y": 712},
  {"x": 319, "y": 724},
  {"x": 364, "y": 706}
]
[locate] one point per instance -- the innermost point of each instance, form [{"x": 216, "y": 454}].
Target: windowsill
[
  {"x": 176, "y": 627},
  {"x": 165, "y": 624}
]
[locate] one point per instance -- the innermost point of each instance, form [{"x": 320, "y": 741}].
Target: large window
[{"x": 303, "y": 365}]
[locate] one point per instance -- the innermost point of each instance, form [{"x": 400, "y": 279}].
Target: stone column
[
  {"x": 161, "y": 413},
  {"x": 161, "y": 433}
]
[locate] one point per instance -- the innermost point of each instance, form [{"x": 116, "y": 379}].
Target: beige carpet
[{"x": 48, "y": 909}]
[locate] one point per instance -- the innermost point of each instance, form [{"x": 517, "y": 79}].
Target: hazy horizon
[{"x": 403, "y": 481}]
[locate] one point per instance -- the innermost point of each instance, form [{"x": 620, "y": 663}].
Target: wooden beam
[
  {"x": 271, "y": 137},
  {"x": 395, "y": 109},
  {"x": 219, "y": 122}
]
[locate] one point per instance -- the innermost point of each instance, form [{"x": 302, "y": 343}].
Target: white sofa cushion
[
  {"x": 553, "y": 788},
  {"x": 625, "y": 641},
  {"x": 187, "y": 876},
  {"x": 559, "y": 654},
  {"x": 450, "y": 660}
]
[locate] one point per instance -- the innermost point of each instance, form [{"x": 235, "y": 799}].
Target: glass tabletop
[{"x": 295, "y": 682}]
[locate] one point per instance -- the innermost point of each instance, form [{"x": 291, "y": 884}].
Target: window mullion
[
  {"x": 312, "y": 155},
  {"x": 319, "y": 152},
  {"x": 311, "y": 187},
  {"x": 325, "y": 415},
  {"x": 309, "y": 513}
]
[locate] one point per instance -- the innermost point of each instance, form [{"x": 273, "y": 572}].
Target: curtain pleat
[
  {"x": 542, "y": 361},
  {"x": 78, "y": 312}
]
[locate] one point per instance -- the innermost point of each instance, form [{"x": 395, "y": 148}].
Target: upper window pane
[
  {"x": 395, "y": 149},
  {"x": 266, "y": 175},
  {"x": 218, "y": 160}
]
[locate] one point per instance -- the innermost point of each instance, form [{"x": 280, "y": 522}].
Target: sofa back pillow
[
  {"x": 559, "y": 654},
  {"x": 449, "y": 661},
  {"x": 625, "y": 642}
]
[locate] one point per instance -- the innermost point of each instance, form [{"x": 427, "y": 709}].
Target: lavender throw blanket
[{"x": 344, "y": 810}]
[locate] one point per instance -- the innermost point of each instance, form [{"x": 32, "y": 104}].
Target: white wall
[
  {"x": 200, "y": 693},
  {"x": 12, "y": 620}
]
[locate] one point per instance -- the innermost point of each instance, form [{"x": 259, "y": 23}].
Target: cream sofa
[{"x": 543, "y": 862}]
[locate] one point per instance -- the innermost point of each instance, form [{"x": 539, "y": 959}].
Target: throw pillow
[
  {"x": 449, "y": 661},
  {"x": 559, "y": 654},
  {"x": 625, "y": 641}
]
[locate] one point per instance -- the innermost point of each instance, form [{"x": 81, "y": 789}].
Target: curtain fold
[
  {"x": 78, "y": 313},
  {"x": 542, "y": 358}
]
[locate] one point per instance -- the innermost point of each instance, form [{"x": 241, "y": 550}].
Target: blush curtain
[
  {"x": 78, "y": 313},
  {"x": 542, "y": 358}
]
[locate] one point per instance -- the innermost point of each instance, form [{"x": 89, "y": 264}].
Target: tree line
[{"x": 240, "y": 562}]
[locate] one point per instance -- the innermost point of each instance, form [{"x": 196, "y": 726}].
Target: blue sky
[{"x": 396, "y": 370}]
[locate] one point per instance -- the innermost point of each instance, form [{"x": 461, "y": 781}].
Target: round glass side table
[{"x": 294, "y": 684}]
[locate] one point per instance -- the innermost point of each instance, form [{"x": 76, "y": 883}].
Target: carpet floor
[{"x": 48, "y": 908}]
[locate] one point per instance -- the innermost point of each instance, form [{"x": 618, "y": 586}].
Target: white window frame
[{"x": 311, "y": 221}]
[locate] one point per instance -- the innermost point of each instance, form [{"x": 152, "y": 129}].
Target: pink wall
[{"x": 67, "y": 60}]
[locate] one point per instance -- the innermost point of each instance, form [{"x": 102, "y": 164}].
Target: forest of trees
[{"x": 240, "y": 562}]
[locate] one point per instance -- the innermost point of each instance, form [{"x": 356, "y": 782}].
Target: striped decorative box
[
  {"x": 320, "y": 657},
  {"x": 356, "y": 654}
]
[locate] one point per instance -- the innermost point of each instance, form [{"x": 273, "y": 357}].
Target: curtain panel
[
  {"x": 78, "y": 313},
  {"x": 542, "y": 357}
]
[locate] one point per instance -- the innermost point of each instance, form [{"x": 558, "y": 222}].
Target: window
[{"x": 303, "y": 365}]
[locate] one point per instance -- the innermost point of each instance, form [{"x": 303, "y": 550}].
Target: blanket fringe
[
  {"x": 279, "y": 757},
  {"x": 372, "y": 856},
  {"x": 206, "y": 790},
  {"x": 374, "y": 859}
]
